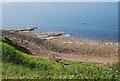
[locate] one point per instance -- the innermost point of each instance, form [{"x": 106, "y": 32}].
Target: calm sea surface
[{"x": 100, "y": 18}]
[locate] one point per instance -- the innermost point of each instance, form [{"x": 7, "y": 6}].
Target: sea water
[{"x": 88, "y": 20}]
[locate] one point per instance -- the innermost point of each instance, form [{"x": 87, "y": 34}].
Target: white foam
[
  {"x": 67, "y": 35},
  {"x": 50, "y": 38},
  {"x": 109, "y": 43}
]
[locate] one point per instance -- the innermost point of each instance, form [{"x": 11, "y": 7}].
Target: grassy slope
[{"x": 20, "y": 65}]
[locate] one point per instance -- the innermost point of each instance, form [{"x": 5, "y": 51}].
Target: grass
[
  {"x": 3, "y": 38},
  {"x": 18, "y": 65},
  {"x": 9, "y": 54}
]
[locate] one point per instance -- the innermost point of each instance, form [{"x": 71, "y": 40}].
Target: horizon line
[{"x": 59, "y": 0}]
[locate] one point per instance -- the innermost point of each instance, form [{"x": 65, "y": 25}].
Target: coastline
[
  {"x": 91, "y": 41},
  {"x": 67, "y": 48},
  {"x": 83, "y": 38}
]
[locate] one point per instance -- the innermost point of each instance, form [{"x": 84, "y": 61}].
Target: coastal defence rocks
[
  {"x": 48, "y": 36},
  {"x": 38, "y": 35},
  {"x": 20, "y": 30}
]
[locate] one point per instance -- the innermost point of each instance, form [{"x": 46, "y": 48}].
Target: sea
[{"x": 87, "y": 20}]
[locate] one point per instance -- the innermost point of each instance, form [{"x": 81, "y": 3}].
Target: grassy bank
[{"x": 19, "y": 65}]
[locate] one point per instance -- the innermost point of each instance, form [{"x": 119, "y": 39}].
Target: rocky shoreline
[{"x": 67, "y": 48}]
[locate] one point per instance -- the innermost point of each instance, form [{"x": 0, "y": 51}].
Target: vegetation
[{"x": 19, "y": 65}]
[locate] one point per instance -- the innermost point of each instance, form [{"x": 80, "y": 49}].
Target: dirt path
[{"x": 82, "y": 58}]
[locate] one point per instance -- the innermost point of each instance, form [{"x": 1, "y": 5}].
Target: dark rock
[{"x": 66, "y": 64}]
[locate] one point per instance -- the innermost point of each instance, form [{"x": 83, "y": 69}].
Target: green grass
[
  {"x": 10, "y": 54},
  {"x": 13, "y": 71},
  {"x": 3, "y": 38},
  {"x": 18, "y": 65}
]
